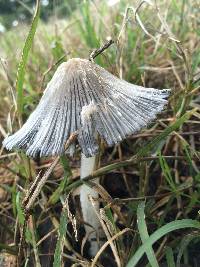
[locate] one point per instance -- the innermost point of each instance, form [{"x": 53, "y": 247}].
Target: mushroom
[{"x": 83, "y": 97}]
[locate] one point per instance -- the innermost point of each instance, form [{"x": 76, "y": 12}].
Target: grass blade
[
  {"x": 169, "y": 227},
  {"x": 63, "y": 185},
  {"x": 87, "y": 26},
  {"x": 60, "y": 242},
  {"x": 20, "y": 212},
  {"x": 141, "y": 152},
  {"x": 170, "y": 257},
  {"x": 154, "y": 143},
  {"x": 184, "y": 243},
  {"x": 24, "y": 57},
  {"x": 166, "y": 171},
  {"x": 144, "y": 234}
]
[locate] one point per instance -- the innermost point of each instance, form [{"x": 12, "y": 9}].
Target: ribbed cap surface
[{"x": 84, "y": 97}]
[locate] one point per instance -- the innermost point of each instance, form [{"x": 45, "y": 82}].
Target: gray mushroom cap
[{"x": 86, "y": 98}]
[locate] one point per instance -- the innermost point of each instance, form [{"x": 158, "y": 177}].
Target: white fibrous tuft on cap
[
  {"x": 86, "y": 112},
  {"x": 86, "y": 98}
]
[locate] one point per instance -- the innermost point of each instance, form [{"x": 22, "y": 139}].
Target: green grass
[{"x": 160, "y": 165}]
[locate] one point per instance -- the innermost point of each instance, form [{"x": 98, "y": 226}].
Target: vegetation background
[{"x": 151, "y": 195}]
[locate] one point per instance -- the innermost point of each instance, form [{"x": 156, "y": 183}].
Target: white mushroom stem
[{"x": 88, "y": 212}]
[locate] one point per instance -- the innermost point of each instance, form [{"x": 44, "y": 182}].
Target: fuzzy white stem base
[{"x": 89, "y": 215}]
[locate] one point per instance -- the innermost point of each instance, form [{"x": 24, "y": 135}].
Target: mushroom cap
[{"x": 85, "y": 98}]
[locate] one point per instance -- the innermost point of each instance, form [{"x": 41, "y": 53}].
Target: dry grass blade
[
  {"x": 35, "y": 249},
  {"x": 106, "y": 231},
  {"x": 109, "y": 242}
]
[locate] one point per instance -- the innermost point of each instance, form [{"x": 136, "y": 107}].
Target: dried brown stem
[{"x": 100, "y": 50}]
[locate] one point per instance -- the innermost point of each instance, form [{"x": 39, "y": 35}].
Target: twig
[{"x": 100, "y": 50}]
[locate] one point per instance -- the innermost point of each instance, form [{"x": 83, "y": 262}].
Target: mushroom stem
[{"x": 88, "y": 212}]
